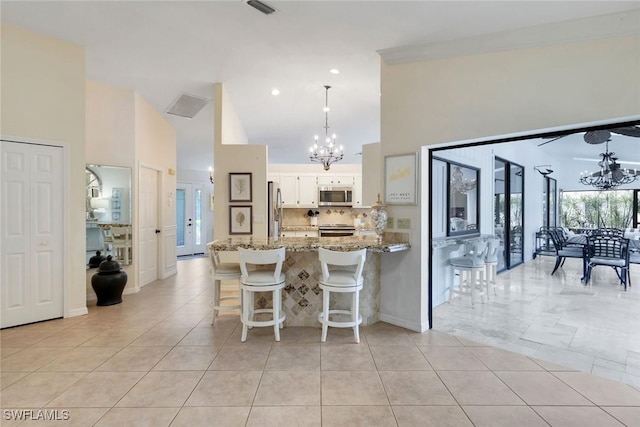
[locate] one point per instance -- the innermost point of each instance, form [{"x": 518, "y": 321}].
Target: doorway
[
  {"x": 508, "y": 215},
  {"x": 149, "y": 224},
  {"x": 190, "y": 238},
  {"x": 31, "y": 218}
]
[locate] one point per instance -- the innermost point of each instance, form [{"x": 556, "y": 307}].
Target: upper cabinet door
[
  {"x": 289, "y": 190},
  {"x": 345, "y": 180},
  {"x": 307, "y": 191}
]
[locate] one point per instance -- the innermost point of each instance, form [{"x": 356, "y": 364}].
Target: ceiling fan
[{"x": 600, "y": 136}]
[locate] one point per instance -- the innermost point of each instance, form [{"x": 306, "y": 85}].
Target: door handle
[{"x": 157, "y": 231}]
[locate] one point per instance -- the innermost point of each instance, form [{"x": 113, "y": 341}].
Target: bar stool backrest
[
  {"x": 343, "y": 259},
  {"x": 261, "y": 257}
]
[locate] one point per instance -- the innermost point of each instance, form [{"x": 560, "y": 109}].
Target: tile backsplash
[{"x": 335, "y": 215}]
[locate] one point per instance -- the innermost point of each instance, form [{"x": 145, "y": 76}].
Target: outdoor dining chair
[{"x": 610, "y": 251}]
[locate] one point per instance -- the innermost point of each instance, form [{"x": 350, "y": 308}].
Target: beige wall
[
  {"x": 156, "y": 146},
  {"x": 372, "y": 173},
  {"x": 43, "y": 98},
  {"x": 232, "y": 154},
  {"x": 458, "y": 98},
  {"x": 124, "y": 130},
  {"x": 110, "y": 122}
]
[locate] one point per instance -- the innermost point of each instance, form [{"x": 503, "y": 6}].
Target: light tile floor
[
  {"x": 154, "y": 360},
  {"x": 594, "y": 328}
]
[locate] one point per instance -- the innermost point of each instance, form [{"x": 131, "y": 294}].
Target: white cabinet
[
  {"x": 357, "y": 192},
  {"x": 307, "y": 191},
  {"x": 298, "y": 191},
  {"x": 308, "y": 233},
  {"x": 289, "y": 190},
  {"x": 365, "y": 232},
  {"x": 273, "y": 177},
  {"x": 335, "y": 180}
]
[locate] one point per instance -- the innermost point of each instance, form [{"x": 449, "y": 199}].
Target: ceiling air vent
[
  {"x": 262, "y": 7},
  {"x": 187, "y": 106}
]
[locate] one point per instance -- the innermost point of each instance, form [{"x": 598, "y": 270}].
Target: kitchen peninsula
[{"x": 302, "y": 297}]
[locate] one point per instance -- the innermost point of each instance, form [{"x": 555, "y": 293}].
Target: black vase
[
  {"x": 109, "y": 282},
  {"x": 95, "y": 260}
]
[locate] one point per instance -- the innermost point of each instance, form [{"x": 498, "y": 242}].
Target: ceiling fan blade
[
  {"x": 597, "y": 136},
  {"x": 628, "y": 131},
  {"x": 551, "y": 140},
  {"x": 584, "y": 159}
]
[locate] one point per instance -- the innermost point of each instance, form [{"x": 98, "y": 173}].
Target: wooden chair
[{"x": 121, "y": 243}]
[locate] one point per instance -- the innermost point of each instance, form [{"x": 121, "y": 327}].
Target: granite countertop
[{"x": 297, "y": 244}]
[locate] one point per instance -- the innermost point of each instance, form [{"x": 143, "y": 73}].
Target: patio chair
[
  {"x": 564, "y": 250},
  {"x": 610, "y": 251},
  {"x": 606, "y": 231}
]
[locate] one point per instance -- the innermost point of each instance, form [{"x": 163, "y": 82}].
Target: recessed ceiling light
[
  {"x": 275, "y": 92},
  {"x": 334, "y": 71}
]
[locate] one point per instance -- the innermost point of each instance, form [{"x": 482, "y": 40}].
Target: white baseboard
[
  {"x": 403, "y": 323},
  {"x": 78, "y": 312},
  {"x": 169, "y": 272}
]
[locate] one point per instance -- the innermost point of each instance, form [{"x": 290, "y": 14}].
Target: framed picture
[
  {"x": 240, "y": 187},
  {"x": 116, "y": 193},
  {"x": 401, "y": 179},
  {"x": 115, "y": 216},
  {"x": 240, "y": 220},
  {"x": 115, "y": 204}
]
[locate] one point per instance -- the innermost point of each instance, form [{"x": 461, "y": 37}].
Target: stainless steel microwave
[{"x": 335, "y": 196}]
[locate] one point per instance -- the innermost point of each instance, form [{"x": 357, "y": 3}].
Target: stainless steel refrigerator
[{"x": 274, "y": 209}]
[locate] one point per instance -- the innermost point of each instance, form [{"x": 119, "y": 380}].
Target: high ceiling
[{"x": 165, "y": 48}]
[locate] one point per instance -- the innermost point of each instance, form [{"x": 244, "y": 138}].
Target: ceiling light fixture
[
  {"x": 334, "y": 71},
  {"x": 327, "y": 153},
  {"x": 610, "y": 175},
  {"x": 544, "y": 170},
  {"x": 275, "y": 92}
]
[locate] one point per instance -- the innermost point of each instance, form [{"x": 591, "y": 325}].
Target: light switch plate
[{"x": 404, "y": 223}]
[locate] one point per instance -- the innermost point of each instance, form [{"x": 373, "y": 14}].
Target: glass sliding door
[
  {"x": 499, "y": 210},
  {"x": 516, "y": 214},
  {"x": 508, "y": 212}
]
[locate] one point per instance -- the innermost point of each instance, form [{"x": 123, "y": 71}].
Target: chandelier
[
  {"x": 610, "y": 175},
  {"x": 329, "y": 152},
  {"x": 460, "y": 184}
]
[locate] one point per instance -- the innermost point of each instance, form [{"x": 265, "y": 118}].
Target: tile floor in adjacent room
[
  {"x": 154, "y": 360},
  {"x": 593, "y": 328}
]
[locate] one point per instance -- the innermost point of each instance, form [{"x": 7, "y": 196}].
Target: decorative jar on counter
[{"x": 379, "y": 217}]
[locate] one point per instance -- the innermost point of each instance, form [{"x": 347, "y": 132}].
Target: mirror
[
  {"x": 108, "y": 212},
  {"x": 463, "y": 196}
]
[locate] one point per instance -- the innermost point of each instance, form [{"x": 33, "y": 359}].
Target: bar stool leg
[
  {"x": 215, "y": 300},
  {"x": 355, "y": 314},
  {"x": 245, "y": 314},
  {"x": 325, "y": 314},
  {"x": 276, "y": 314}
]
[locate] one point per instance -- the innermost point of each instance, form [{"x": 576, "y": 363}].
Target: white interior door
[
  {"x": 190, "y": 238},
  {"x": 31, "y": 222},
  {"x": 148, "y": 225}
]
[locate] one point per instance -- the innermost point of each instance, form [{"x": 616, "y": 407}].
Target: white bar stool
[
  {"x": 472, "y": 272},
  {"x": 491, "y": 265},
  {"x": 341, "y": 280},
  {"x": 222, "y": 271},
  {"x": 262, "y": 280}
]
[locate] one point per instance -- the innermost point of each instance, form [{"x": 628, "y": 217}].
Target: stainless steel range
[{"x": 336, "y": 230}]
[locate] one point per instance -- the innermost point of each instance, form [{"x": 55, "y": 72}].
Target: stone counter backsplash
[{"x": 337, "y": 215}]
